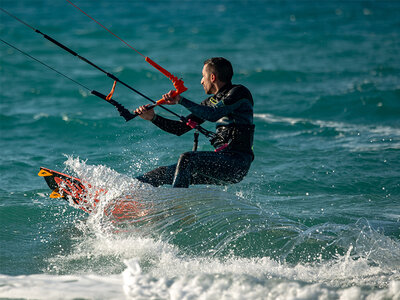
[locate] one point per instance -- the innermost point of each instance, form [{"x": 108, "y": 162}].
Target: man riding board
[{"x": 231, "y": 108}]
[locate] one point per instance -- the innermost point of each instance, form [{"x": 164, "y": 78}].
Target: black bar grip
[{"x": 123, "y": 112}]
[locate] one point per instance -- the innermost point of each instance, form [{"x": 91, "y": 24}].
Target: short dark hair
[{"x": 221, "y": 67}]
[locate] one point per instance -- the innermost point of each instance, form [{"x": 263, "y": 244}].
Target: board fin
[
  {"x": 44, "y": 173},
  {"x": 55, "y": 194}
]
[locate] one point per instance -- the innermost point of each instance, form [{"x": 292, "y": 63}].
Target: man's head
[{"x": 217, "y": 72}]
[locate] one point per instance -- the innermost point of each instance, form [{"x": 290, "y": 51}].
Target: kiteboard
[{"x": 81, "y": 194}]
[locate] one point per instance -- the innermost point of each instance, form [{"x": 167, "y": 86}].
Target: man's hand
[
  {"x": 144, "y": 113},
  {"x": 171, "y": 100}
]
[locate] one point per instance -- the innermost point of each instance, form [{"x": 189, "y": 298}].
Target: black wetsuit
[{"x": 232, "y": 111}]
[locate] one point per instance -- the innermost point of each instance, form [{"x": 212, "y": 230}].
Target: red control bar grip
[{"x": 178, "y": 83}]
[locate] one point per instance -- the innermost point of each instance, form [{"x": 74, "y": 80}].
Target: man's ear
[{"x": 213, "y": 77}]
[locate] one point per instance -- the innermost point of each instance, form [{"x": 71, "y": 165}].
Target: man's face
[{"x": 206, "y": 81}]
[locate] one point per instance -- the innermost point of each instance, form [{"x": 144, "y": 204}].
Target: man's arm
[
  {"x": 171, "y": 126},
  {"x": 212, "y": 113},
  {"x": 236, "y": 97},
  {"x": 175, "y": 127}
]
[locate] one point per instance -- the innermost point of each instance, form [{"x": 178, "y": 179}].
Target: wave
[
  {"x": 362, "y": 102},
  {"x": 155, "y": 271},
  {"x": 339, "y": 126},
  {"x": 357, "y": 137},
  {"x": 202, "y": 242}
]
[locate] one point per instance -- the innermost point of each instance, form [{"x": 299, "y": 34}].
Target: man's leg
[
  {"x": 159, "y": 176},
  {"x": 206, "y": 167}
]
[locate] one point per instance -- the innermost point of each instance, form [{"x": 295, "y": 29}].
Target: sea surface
[{"x": 318, "y": 215}]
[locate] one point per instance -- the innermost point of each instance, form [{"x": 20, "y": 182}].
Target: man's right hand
[
  {"x": 144, "y": 113},
  {"x": 171, "y": 100}
]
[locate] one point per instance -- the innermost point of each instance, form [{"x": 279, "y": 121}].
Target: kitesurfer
[{"x": 231, "y": 108}]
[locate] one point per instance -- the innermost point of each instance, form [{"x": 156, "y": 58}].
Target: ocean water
[{"x": 318, "y": 215}]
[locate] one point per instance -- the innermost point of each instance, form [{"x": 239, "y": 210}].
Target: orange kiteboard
[{"x": 86, "y": 197}]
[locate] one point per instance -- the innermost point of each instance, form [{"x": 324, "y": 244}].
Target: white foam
[
  {"x": 236, "y": 280},
  {"x": 44, "y": 286},
  {"x": 41, "y": 115},
  {"x": 134, "y": 284},
  {"x": 157, "y": 270}
]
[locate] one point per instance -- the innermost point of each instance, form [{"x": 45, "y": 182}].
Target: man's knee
[
  {"x": 185, "y": 158},
  {"x": 158, "y": 176}
]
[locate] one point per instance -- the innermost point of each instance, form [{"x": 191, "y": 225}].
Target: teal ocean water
[{"x": 318, "y": 215}]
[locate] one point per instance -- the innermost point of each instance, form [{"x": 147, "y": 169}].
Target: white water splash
[{"x": 103, "y": 264}]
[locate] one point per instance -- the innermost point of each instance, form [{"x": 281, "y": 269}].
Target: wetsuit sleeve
[
  {"x": 175, "y": 127},
  {"x": 224, "y": 107}
]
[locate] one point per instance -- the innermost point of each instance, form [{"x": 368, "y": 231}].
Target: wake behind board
[{"x": 75, "y": 191}]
